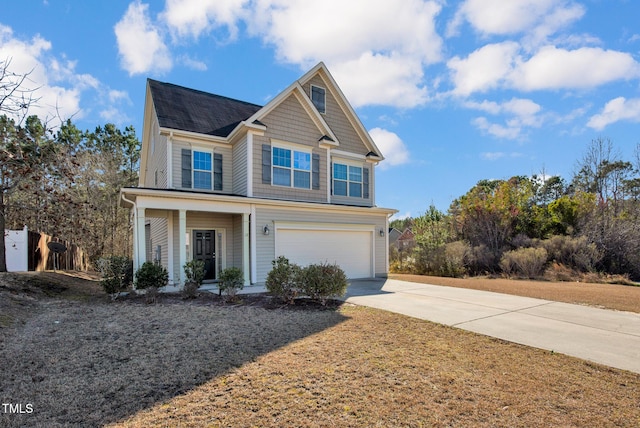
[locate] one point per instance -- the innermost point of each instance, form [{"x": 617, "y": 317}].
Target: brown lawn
[
  {"x": 81, "y": 361},
  {"x": 608, "y": 296}
]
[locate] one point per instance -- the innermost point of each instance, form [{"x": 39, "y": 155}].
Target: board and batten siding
[
  {"x": 227, "y": 163},
  {"x": 265, "y": 244},
  {"x": 290, "y": 123}
]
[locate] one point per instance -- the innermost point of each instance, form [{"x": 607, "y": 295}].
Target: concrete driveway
[{"x": 603, "y": 336}]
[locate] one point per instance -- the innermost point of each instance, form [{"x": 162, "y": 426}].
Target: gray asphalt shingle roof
[{"x": 187, "y": 109}]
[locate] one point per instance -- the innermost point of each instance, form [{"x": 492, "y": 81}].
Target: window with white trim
[
  {"x": 202, "y": 170},
  {"x": 318, "y": 98},
  {"x": 291, "y": 168},
  {"x": 347, "y": 180}
]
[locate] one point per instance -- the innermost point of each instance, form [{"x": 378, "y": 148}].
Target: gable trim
[
  {"x": 321, "y": 70},
  {"x": 298, "y": 91}
]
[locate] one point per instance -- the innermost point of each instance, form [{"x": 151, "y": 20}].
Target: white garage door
[{"x": 351, "y": 250}]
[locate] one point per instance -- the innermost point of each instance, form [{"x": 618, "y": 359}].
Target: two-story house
[{"x": 238, "y": 184}]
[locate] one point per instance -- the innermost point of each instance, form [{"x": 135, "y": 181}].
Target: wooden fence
[{"x": 41, "y": 258}]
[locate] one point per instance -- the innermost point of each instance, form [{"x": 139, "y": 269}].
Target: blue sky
[{"x": 451, "y": 92}]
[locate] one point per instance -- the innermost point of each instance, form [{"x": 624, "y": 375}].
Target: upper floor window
[
  {"x": 347, "y": 180},
  {"x": 318, "y": 97},
  {"x": 201, "y": 169},
  {"x": 291, "y": 168}
]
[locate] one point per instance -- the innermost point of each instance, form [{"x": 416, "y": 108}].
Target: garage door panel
[{"x": 351, "y": 250}]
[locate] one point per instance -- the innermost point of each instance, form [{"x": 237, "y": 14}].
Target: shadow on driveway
[{"x": 366, "y": 287}]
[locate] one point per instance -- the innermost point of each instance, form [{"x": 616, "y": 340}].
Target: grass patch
[{"x": 204, "y": 363}]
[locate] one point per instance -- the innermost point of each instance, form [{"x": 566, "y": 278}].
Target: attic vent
[{"x": 318, "y": 97}]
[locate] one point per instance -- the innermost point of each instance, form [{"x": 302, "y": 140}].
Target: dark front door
[{"x": 204, "y": 248}]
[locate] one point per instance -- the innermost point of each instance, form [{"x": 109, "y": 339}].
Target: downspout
[{"x": 136, "y": 250}]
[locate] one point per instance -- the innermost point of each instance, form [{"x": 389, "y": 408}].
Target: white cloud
[
  {"x": 483, "y": 69},
  {"x": 391, "y": 146},
  {"x": 616, "y": 110},
  {"x": 334, "y": 30},
  {"x": 354, "y": 38},
  {"x": 140, "y": 43},
  {"x": 193, "y": 64},
  {"x": 502, "y": 66},
  {"x": 498, "y": 17},
  {"x": 61, "y": 92},
  {"x": 396, "y": 81},
  {"x": 194, "y": 17},
  {"x": 55, "y": 84},
  {"x": 497, "y": 130},
  {"x": 553, "y": 68},
  {"x": 521, "y": 114},
  {"x": 398, "y": 216}
]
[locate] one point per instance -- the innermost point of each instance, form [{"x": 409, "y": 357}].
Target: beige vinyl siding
[
  {"x": 159, "y": 236},
  {"x": 239, "y": 167},
  {"x": 157, "y": 159},
  {"x": 237, "y": 243},
  {"x": 206, "y": 221},
  {"x": 289, "y": 122},
  {"x": 217, "y": 222},
  {"x": 337, "y": 120},
  {"x": 348, "y": 200},
  {"x": 227, "y": 163},
  {"x": 265, "y": 244}
]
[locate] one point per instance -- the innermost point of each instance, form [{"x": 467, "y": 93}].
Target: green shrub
[
  {"x": 117, "y": 274},
  {"x": 456, "y": 257},
  {"x": 576, "y": 253},
  {"x": 524, "y": 262},
  {"x": 194, "y": 272},
  {"x": 151, "y": 277},
  {"x": 231, "y": 280},
  {"x": 322, "y": 281},
  {"x": 282, "y": 279}
]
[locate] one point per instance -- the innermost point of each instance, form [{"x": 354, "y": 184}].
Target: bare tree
[{"x": 16, "y": 97}]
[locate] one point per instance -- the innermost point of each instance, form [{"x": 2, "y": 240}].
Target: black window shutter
[
  {"x": 315, "y": 171},
  {"x": 331, "y": 172},
  {"x": 365, "y": 183},
  {"x": 186, "y": 168},
  {"x": 217, "y": 171},
  {"x": 266, "y": 164}
]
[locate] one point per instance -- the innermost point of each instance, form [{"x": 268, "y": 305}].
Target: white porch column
[
  {"x": 252, "y": 245},
  {"x": 141, "y": 239},
  {"x": 245, "y": 249},
  {"x": 182, "y": 243},
  {"x": 170, "y": 249}
]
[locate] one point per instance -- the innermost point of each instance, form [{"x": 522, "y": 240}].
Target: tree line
[
  {"x": 66, "y": 182},
  {"x": 536, "y": 226},
  {"x": 61, "y": 180}
]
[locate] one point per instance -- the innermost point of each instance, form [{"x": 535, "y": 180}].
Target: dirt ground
[{"x": 79, "y": 360}]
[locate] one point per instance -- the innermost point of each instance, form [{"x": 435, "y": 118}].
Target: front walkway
[{"x": 603, "y": 336}]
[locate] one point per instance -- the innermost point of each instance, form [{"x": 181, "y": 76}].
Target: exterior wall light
[
  {"x": 382, "y": 233},
  {"x": 265, "y": 229}
]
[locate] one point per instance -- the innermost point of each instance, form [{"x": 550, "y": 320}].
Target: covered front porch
[{"x": 174, "y": 230}]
